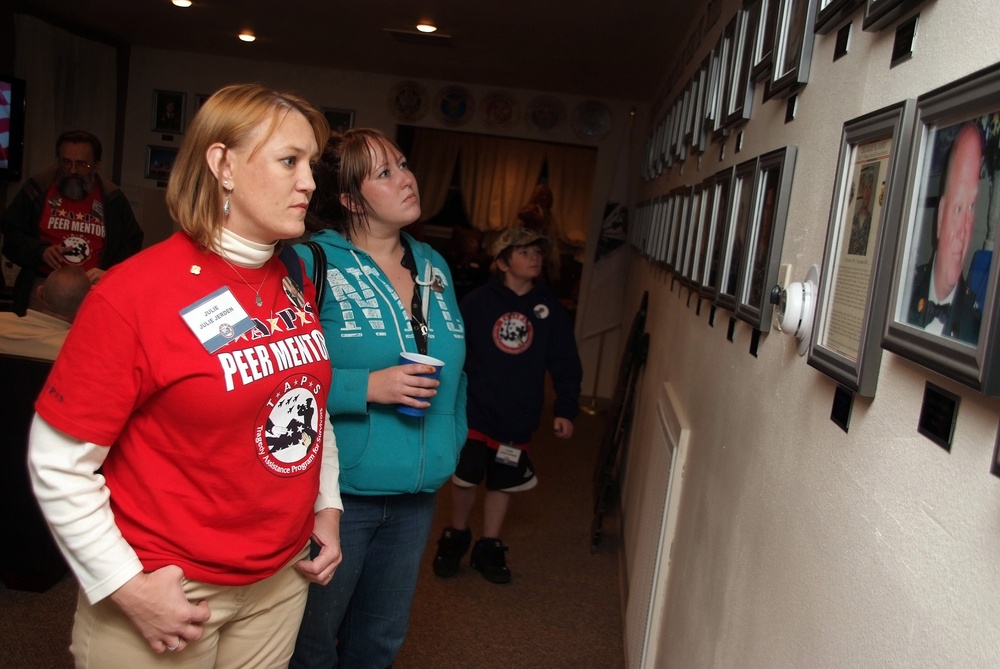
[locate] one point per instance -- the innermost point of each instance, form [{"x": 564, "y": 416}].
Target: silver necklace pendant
[{"x": 260, "y": 302}]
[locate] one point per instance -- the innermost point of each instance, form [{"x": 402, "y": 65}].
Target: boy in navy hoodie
[{"x": 516, "y": 329}]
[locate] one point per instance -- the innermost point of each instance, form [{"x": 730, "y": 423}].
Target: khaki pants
[{"x": 251, "y": 626}]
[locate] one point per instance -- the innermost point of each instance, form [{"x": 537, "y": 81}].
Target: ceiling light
[
  {"x": 247, "y": 36},
  {"x": 182, "y": 3},
  {"x": 426, "y": 27}
]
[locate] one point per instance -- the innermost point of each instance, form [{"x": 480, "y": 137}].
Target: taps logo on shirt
[
  {"x": 513, "y": 332},
  {"x": 288, "y": 434}
]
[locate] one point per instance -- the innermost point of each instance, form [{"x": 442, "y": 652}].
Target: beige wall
[{"x": 799, "y": 545}]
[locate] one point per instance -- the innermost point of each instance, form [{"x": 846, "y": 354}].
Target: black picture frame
[
  {"x": 881, "y": 13},
  {"x": 793, "y": 47},
  {"x": 946, "y": 176},
  {"x": 696, "y": 226},
  {"x": 772, "y": 189},
  {"x": 340, "y": 120},
  {"x": 168, "y": 112},
  {"x": 763, "y": 41},
  {"x": 854, "y": 283},
  {"x": 722, "y": 189},
  {"x": 739, "y": 86},
  {"x": 159, "y": 162},
  {"x": 831, "y": 13},
  {"x": 737, "y": 228}
]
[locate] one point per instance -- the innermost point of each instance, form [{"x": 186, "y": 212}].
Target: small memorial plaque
[
  {"x": 902, "y": 46},
  {"x": 843, "y": 404},
  {"x": 938, "y": 415}
]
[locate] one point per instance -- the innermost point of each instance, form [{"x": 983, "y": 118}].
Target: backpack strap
[
  {"x": 319, "y": 273},
  {"x": 294, "y": 266}
]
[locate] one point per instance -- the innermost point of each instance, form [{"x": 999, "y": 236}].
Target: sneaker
[
  {"x": 488, "y": 559},
  {"x": 451, "y": 547}
]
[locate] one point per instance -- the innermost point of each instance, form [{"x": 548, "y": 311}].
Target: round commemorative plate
[
  {"x": 499, "y": 111},
  {"x": 454, "y": 105},
  {"x": 591, "y": 119},
  {"x": 408, "y": 101},
  {"x": 546, "y": 113}
]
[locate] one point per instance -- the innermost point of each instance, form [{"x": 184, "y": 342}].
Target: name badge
[
  {"x": 217, "y": 319},
  {"x": 508, "y": 455}
]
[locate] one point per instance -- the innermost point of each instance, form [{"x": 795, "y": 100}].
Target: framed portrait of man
[{"x": 943, "y": 305}]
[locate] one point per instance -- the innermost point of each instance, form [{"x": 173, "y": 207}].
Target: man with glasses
[{"x": 68, "y": 215}]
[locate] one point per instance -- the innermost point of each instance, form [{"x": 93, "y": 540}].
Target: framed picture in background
[
  {"x": 739, "y": 88},
  {"x": 340, "y": 120},
  {"x": 857, "y": 263},
  {"x": 831, "y": 13},
  {"x": 159, "y": 162},
  {"x": 793, "y": 45},
  {"x": 722, "y": 187},
  {"x": 168, "y": 112},
  {"x": 772, "y": 188},
  {"x": 880, "y": 13},
  {"x": 766, "y": 12},
  {"x": 943, "y": 306},
  {"x": 734, "y": 241}
]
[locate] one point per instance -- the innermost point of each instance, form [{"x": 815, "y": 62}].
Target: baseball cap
[{"x": 515, "y": 237}]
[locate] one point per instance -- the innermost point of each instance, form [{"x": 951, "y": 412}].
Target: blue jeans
[{"x": 359, "y": 620}]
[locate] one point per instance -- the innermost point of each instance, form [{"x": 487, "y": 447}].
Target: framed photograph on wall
[
  {"x": 340, "y": 120},
  {"x": 675, "y": 216},
  {"x": 857, "y": 263},
  {"x": 793, "y": 46},
  {"x": 763, "y": 38},
  {"x": 683, "y": 263},
  {"x": 734, "y": 241},
  {"x": 723, "y": 49},
  {"x": 739, "y": 91},
  {"x": 695, "y": 231},
  {"x": 159, "y": 162},
  {"x": 831, "y": 13},
  {"x": 880, "y": 13},
  {"x": 168, "y": 112},
  {"x": 943, "y": 306},
  {"x": 661, "y": 229},
  {"x": 698, "y": 121},
  {"x": 772, "y": 189},
  {"x": 722, "y": 186}
]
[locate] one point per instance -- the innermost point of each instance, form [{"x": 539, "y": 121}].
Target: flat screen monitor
[{"x": 11, "y": 127}]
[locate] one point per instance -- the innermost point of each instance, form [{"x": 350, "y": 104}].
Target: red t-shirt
[
  {"x": 214, "y": 458},
  {"x": 76, "y": 224}
]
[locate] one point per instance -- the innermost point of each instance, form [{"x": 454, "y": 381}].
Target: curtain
[
  {"x": 433, "y": 156},
  {"x": 498, "y": 174},
  {"x": 497, "y": 177},
  {"x": 571, "y": 178},
  {"x": 71, "y": 84}
]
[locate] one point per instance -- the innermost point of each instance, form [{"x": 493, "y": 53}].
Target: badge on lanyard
[
  {"x": 217, "y": 319},
  {"x": 508, "y": 455}
]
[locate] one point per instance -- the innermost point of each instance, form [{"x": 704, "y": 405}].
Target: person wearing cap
[{"x": 516, "y": 330}]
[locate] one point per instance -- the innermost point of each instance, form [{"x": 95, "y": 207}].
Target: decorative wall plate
[
  {"x": 454, "y": 105},
  {"x": 500, "y": 110},
  {"x": 408, "y": 101},
  {"x": 591, "y": 119},
  {"x": 546, "y": 113}
]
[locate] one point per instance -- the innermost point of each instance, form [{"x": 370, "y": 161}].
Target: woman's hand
[
  {"x": 157, "y": 606},
  {"x": 403, "y": 384},
  {"x": 326, "y": 534}
]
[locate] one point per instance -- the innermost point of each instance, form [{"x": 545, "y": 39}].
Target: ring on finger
[{"x": 175, "y": 646}]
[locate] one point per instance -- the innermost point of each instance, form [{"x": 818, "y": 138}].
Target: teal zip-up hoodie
[{"x": 383, "y": 452}]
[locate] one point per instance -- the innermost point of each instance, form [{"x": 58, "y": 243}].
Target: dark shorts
[{"x": 479, "y": 461}]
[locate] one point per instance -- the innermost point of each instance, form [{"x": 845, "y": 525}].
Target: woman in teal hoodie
[{"x": 383, "y": 293}]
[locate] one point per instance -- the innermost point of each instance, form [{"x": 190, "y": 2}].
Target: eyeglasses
[{"x": 80, "y": 165}]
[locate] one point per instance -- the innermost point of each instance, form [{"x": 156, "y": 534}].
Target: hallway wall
[{"x": 799, "y": 544}]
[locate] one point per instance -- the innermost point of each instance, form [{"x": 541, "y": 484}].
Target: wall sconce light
[{"x": 796, "y": 306}]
